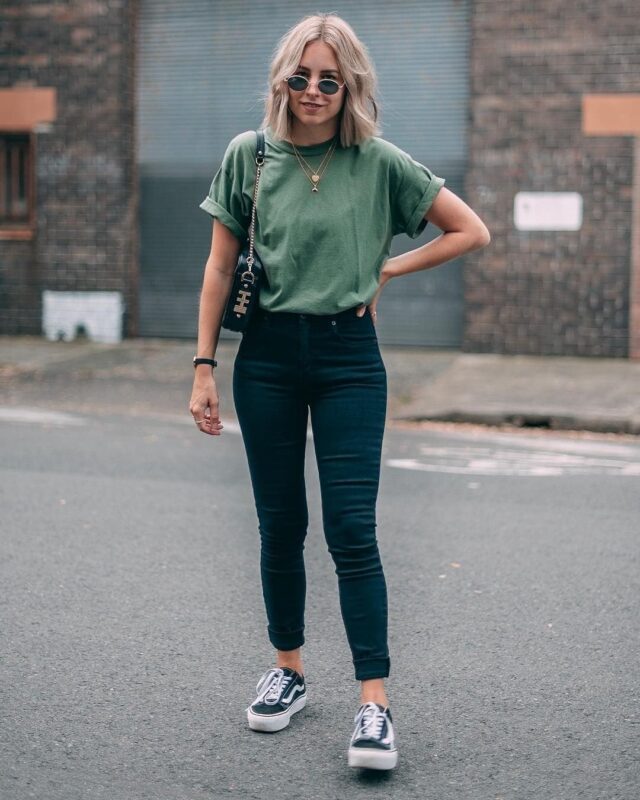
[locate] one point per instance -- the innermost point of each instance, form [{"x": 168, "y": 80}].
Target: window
[{"x": 16, "y": 181}]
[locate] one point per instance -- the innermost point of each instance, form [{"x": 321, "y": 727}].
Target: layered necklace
[{"x": 313, "y": 174}]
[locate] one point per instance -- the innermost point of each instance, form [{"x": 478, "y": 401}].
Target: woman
[{"x": 332, "y": 194}]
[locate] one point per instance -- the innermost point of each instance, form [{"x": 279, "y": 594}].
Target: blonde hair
[{"x": 359, "y": 112}]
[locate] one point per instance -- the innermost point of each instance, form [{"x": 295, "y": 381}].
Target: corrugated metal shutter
[{"x": 202, "y": 72}]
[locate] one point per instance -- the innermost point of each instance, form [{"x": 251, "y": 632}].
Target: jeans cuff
[
  {"x": 290, "y": 640},
  {"x": 372, "y": 668}
]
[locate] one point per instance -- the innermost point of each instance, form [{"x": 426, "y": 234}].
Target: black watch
[{"x": 211, "y": 361}]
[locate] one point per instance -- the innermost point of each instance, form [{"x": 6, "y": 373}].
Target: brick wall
[
  {"x": 86, "y": 186},
  {"x": 531, "y": 63},
  {"x": 547, "y": 292}
]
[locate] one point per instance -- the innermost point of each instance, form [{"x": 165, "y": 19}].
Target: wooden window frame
[{"x": 23, "y": 228}]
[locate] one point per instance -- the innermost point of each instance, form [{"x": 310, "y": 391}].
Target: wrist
[
  {"x": 203, "y": 369},
  {"x": 199, "y": 361},
  {"x": 387, "y": 271}
]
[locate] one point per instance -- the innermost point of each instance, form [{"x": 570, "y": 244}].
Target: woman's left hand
[{"x": 384, "y": 277}]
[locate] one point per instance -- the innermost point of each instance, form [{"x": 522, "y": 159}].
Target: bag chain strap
[{"x": 250, "y": 258}]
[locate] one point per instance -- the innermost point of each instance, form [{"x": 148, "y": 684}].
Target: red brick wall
[
  {"x": 547, "y": 292},
  {"x": 86, "y": 186}
]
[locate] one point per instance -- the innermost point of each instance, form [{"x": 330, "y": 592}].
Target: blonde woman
[{"x": 332, "y": 194}]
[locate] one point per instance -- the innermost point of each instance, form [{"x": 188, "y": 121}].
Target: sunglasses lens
[
  {"x": 297, "y": 82},
  {"x": 327, "y": 86}
]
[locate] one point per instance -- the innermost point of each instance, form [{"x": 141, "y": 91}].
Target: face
[{"x": 311, "y": 107}]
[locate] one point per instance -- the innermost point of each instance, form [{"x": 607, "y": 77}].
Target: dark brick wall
[
  {"x": 86, "y": 183},
  {"x": 19, "y": 293},
  {"x": 548, "y": 292}
]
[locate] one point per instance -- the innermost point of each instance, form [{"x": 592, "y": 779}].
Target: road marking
[
  {"x": 39, "y": 416},
  {"x": 478, "y": 460}
]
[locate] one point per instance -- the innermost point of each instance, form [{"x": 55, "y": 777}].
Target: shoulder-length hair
[{"x": 359, "y": 112}]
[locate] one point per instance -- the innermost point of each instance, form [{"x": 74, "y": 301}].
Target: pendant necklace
[{"x": 315, "y": 174}]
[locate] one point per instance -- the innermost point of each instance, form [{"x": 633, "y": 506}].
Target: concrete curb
[{"x": 519, "y": 419}]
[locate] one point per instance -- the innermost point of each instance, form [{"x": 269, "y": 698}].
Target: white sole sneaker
[
  {"x": 370, "y": 758},
  {"x": 372, "y": 744},
  {"x": 275, "y": 722}
]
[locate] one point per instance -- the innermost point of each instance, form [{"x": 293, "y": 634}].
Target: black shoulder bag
[{"x": 249, "y": 270}]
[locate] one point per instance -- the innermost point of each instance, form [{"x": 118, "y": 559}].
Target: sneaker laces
[
  {"x": 371, "y": 720},
  {"x": 275, "y": 684}
]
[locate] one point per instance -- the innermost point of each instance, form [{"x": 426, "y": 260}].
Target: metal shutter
[{"x": 202, "y": 69}]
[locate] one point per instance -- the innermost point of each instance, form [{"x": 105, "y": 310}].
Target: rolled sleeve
[
  {"x": 215, "y": 209},
  {"x": 417, "y": 187},
  {"x": 417, "y": 222},
  {"x": 228, "y": 198}
]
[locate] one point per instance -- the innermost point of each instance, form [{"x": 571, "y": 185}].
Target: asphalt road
[{"x": 133, "y": 633}]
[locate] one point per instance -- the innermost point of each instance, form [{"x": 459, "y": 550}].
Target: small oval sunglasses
[{"x": 327, "y": 85}]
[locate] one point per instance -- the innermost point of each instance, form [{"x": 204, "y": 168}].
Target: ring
[{"x": 198, "y": 421}]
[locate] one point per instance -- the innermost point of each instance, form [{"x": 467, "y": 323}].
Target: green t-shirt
[{"x": 322, "y": 251}]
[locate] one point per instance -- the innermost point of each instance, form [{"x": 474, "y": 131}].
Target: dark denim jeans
[{"x": 287, "y": 365}]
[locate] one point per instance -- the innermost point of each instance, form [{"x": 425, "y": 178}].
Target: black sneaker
[
  {"x": 281, "y": 692},
  {"x": 373, "y": 742}
]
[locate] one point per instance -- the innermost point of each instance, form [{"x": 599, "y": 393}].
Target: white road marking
[
  {"x": 479, "y": 460},
  {"x": 39, "y": 416}
]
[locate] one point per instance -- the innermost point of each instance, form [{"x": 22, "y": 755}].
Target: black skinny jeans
[{"x": 286, "y": 365}]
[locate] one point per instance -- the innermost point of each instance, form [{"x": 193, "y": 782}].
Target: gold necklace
[
  {"x": 315, "y": 175},
  {"x": 300, "y": 156}
]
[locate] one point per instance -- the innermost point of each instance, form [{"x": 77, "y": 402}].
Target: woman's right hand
[{"x": 204, "y": 404}]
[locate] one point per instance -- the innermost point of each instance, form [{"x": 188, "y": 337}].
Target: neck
[{"x": 303, "y": 136}]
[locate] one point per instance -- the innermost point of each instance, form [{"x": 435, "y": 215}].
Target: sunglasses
[{"x": 327, "y": 85}]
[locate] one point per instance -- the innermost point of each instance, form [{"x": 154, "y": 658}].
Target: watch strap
[{"x": 211, "y": 361}]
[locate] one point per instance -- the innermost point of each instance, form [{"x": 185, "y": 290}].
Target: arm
[
  {"x": 217, "y": 282},
  {"x": 463, "y": 231}
]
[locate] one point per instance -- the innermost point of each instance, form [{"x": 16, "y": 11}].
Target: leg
[
  {"x": 273, "y": 421},
  {"x": 373, "y": 690},
  {"x": 348, "y": 417},
  {"x": 291, "y": 659}
]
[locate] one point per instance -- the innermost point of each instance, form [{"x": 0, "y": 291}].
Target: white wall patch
[
  {"x": 547, "y": 211},
  {"x": 98, "y": 315}
]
